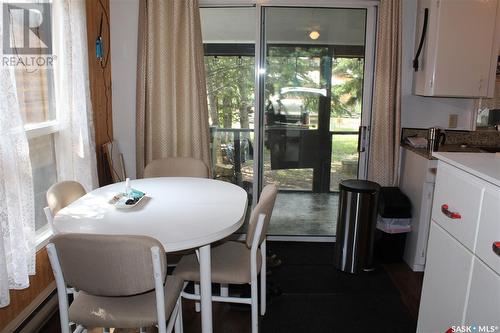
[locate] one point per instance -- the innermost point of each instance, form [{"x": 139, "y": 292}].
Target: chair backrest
[
  {"x": 62, "y": 194},
  {"x": 176, "y": 167},
  {"x": 108, "y": 265},
  {"x": 264, "y": 206}
]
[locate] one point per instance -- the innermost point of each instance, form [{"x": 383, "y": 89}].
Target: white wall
[
  {"x": 420, "y": 111},
  {"x": 124, "y": 20}
]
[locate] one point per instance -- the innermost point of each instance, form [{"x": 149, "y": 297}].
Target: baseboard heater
[{"x": 36, "y": 314}]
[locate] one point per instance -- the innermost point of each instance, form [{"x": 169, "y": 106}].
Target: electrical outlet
[{"x": 453, "y": 121}]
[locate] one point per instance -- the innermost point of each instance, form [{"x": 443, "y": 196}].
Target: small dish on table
[{"x": 126, "y": 201}]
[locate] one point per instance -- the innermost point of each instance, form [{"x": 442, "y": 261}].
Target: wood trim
[
  {"x": 20, "y": 300},
  {"x": 100, "y": 82}
]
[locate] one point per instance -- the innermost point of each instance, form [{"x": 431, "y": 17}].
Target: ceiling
[{"x": 285, "y": 25}]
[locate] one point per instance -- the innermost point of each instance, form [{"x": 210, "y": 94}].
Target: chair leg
[
  {"x": 255, "y": 306},
  {"x": 197, "y": 306},
  {"x": 179, "y": 328},
  {"x": 224, "y": 289},
  {"x": 79, "y": 329},
  {"x": 263, "y": 275},
  {"x": 105, "y": 330}
]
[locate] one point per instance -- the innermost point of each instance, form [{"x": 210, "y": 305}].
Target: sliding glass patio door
[
  {"x": 314, "y": 63},
  {"x": 290, "y": 104}
]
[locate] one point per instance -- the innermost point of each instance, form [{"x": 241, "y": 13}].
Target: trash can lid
[{"x": 359, "y": 185}]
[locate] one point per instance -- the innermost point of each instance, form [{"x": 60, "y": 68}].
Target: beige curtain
[
  {"x": 383, "y": 166},
  {"x": 172, "y": 112}
]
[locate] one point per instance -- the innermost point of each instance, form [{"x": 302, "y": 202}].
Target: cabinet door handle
[
  {"x": 422, "y": 39},
  {"x": 496, "y": 248},
  {"x": 452, "y": 215}
]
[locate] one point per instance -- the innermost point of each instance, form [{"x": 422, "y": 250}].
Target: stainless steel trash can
[{"x": 358, "y": 202}]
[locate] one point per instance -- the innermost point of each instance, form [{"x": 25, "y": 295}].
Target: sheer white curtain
[
  {"x": 75, "y": 146},
  {"x": 17, "y": 218}
]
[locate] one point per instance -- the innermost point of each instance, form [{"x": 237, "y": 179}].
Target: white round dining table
[{"x": 182, "y": 213}]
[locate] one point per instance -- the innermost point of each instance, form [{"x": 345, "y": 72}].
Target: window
[
  {"x": 51, "y": 93},
  {"x": 35, "y": 91}
]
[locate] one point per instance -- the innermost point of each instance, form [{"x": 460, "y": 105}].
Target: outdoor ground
[{"x": 344, "y": 149}]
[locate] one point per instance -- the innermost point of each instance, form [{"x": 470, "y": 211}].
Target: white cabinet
[
  {"x": 457, "y": 203},
  {"x": 489, "y": 232},
  {"x": 462, "y": 275},
  {"x": 447, "y": 272},
  {"x": 459, "y": 49},
  {"x": 483, "y": 306}
]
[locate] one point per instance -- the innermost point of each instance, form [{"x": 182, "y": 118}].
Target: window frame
[{"x": 36, "y": 130}]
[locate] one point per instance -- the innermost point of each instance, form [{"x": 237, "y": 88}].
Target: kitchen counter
[{"x": 483, "y": 165}]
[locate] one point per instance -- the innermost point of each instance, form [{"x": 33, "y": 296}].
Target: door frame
[{"x": 371, "y": 7}]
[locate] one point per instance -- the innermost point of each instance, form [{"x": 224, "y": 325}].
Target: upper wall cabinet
[{"x": 457, "y": 43}]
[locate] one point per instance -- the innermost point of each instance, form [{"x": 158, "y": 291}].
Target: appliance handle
[
  {"x": 361, "y": 139},
  {"x": 422, "y": 39}
]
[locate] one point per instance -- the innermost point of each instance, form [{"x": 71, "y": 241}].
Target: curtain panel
[
  {"x": 74, "y": 143},
  {"x": 17, "y": 213},
  {"x": 383, "y": 166},
  {"x": 172, "y": 111},
  {"x": 75, "y": 140}
]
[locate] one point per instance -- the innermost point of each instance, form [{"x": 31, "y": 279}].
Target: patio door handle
[{"x": 361, "y": 139}]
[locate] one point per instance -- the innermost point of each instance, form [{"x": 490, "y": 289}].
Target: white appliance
[{"x": 418, "y": 175}]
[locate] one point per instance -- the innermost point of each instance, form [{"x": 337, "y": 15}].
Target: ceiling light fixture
[{"x": 314, "y": 35}]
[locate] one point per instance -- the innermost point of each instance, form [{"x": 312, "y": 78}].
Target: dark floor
[{"x": 317, "y": 298}]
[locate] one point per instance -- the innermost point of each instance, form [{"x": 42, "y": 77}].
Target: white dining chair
[
  {"x": 121, "y": 281},
  {"x": 59, "y": 196},
  {"x": 238, "y": 262},
  {"x": 176, "y": 167}
]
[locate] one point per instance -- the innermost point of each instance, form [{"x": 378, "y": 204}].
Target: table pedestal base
[{"x": 206, "y": 289}]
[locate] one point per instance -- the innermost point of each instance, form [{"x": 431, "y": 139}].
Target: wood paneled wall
[
  {"x": 21, "y": 299},
  {"x": 100, "y": 81}
]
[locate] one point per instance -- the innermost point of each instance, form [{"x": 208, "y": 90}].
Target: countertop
[{"x": 483, "y": 165}]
